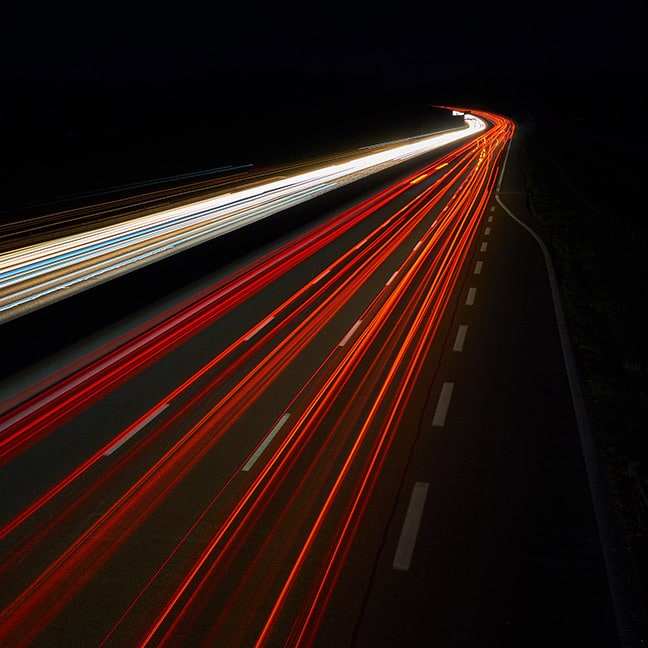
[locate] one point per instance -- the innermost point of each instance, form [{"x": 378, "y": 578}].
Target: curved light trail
[
  {"x": 35, "y": 276},
  {"x": 261, "y": 522}
]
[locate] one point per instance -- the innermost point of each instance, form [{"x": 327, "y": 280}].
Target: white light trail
[{"x": 36, "y": 275}]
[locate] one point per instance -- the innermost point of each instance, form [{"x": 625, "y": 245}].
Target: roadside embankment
[{"x": 596, "y": 246}]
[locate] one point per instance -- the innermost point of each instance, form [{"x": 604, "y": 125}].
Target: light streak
[
  {"x": 22, "y": 425},
  {"x": 298, "y": 513},
  {"x": 36, "y": 275}
]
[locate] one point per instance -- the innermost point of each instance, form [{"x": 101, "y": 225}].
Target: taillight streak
[
  {"x": 195, "y": 321},
  {"x": 26, "y": 423},
  {"x": 311, "y": 418},
  {"x": 430, "y": 272},
  {"x": 234, "y": 402}
]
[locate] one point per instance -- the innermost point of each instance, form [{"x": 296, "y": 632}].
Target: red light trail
[{"x": 254, "y": 557}]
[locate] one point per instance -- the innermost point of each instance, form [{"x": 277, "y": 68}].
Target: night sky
[
  {"x": 110, "y": 94},
  {"x": 401, "y": 42}
]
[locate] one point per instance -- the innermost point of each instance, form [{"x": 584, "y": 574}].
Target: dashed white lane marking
[
  {"x": 320, "y": 276},
  {"x": 345, "y": 339},
  {"x": 487, "y": 231},
  {"x": 493, "y": 208},
  {"x": 484, "y": 247},
  {"x": 490, "y": 219},
  {"x": 461, "y": 338},
  {"x": 470, "y": 299},
  {"x": 266, "y": 442},
  {"x": 409, "y": 532},
  {"x": 442, "y": 405},
  {"x": 392, "y": 278},
  {"x": 257, "y": 328},
  {"x": 138, "y": 426},
  {"x": 478, "y": 267}
]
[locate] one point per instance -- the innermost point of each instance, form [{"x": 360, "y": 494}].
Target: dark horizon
[
  {"x": 144, "y": 95},
  {"x": 69, "y": 136},
  {"x": 403, "y": 45}
]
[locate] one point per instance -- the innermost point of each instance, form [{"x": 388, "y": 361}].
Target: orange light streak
[{"x": 369, "y": 390}]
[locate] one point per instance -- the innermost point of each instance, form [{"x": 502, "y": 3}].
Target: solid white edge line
[
  {"x": 443, "y": 404},
  {"x": 620, "y": 593},
  {"x": 258, "y": 327},
  {"x": 345, "y": 339},
  {"x": 461, "y": 338},
  {"x": 410, "y": 528},
  {"x": 265, "y": 443},
  {"x": 470, "y": 299},
  {"x": 137, "y": 429}
]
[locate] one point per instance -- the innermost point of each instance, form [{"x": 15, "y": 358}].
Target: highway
[{"x": 319, "y": 445}]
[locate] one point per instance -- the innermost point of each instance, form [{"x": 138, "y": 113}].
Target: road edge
[{"x": 615, "y": 561}]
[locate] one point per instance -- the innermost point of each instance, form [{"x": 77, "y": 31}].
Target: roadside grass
[{"x": 603, "y": 276}]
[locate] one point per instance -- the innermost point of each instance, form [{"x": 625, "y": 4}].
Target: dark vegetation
[{"x": 585, "y": 189}]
